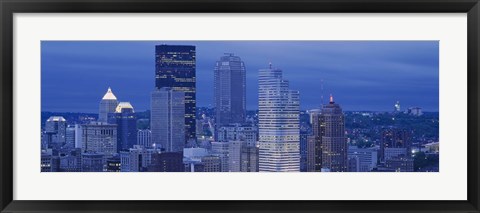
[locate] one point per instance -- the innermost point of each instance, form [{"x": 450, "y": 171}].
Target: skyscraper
[
  {"x": 315, "y": 140},
  {"x": 278, "y": 123},
  {"x": 175, "y": 68},
  {"x": 167, "y": 119},
  {"x": 108, "y": 104},
  {"x": 124, "y": 117},
  {"x": 333, "y": 140},
  {"x": 229, "y": 90}
]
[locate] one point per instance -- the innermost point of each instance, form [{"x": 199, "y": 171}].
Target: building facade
[
  {"x": 175, "y": 67},
  {"x": 167, "y": 118},
  {"x": 126, "y": 121},
  {"x": 229, "y": 90},
  {"x": 136, "y": 159},
  {"x": 333, "y": 141},
  {"x": 238, "y": 132},
  {"x": 144, "y": 138},
  {"x": 99, "y": 137},
  {"x": 278, "y": 123},
  {"x": 108, "y": 104},
  {"x": 55, "y": 132},
  {"x": 394, "y": 138}
]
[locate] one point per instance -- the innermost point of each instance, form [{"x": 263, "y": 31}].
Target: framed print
[{"x": 182, "y": 106}]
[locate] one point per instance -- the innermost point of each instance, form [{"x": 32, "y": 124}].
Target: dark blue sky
[{"x": 362, "y": 75}]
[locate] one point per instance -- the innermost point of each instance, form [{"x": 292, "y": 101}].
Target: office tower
[
  {"x": 314, "y": 154},
  {"x": 99, "y": 137},
  {"x": 221, "y": 150},
  {"x": 167, "y": 119},
  {"x": 278, "y": 123},
  {"x": 92, "y": 162},
  {"x": 333, "y": 140},
  {"x": 229, "y": 90},
  {"x": 126, "y": 121},
  {"x": 175, "y": 68},
  {"x": 167, "y": 162},
  {"x": 78, "y": 135},
  {"x": 144, "y": 138},
  {"x": 55, "y": 132},
  {"x": 108, "y": 104},
  {"x": 315, "y": 141},
  {"x": 238, "y": 132},
  {"x": 70, "y": 137},
  {"x": 136, "y": 159},
  {"x": 394, "y": 138},
  {"x": 365, "y": 158}
]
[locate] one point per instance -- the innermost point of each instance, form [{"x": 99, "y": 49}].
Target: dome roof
[{"x": 109, "y": 95}]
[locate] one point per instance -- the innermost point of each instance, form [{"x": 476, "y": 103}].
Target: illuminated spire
[
  {"x": 331, "y": 99},
  {"x": 270, "y": 65},
  {"x": 109, "y": 95}
]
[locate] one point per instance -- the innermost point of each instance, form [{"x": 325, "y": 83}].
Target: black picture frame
[{"x": 9, "y": 7}]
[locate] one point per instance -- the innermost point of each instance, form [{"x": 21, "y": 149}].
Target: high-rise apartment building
[
  {"x": 167, "y": 118},
  {"x": 175, "y": 68},
  {"x": 229, "y": 90},
  {"x": 278, "y": 125}
]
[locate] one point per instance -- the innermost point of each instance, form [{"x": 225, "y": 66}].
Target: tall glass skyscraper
[
  {"x": 278, "y": 123},
  {"x": 108, "y": 104},
  {"x": 229, "y": 90},
  {"x": 175, "y": 68},
  {"x": 167, "y": 118},
  {"x": 124, "y": 117},
  {"x": 333, "y": 140}
]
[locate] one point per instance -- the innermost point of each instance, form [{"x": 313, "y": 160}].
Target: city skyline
[
  {"x": 279, "y": 137},
  {"x": 412, "y": 72}
]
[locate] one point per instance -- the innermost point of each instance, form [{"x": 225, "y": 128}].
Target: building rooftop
[
  {"x": 109, "y": 95},
  {"x": 56, "y": 118},
  {"x": 123, "y": 105}
]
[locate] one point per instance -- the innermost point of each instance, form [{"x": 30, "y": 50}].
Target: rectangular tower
[
  {"x": 167, "y": 118},
  {"x": 175, "y": 68},
  {"x": 333, "y": 141},
  {"x": 229, "y": 90},
  {"x": 278, "y": 123}
]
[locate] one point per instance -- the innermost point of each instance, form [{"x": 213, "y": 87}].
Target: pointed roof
[{"x": 109, "y": 95}]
